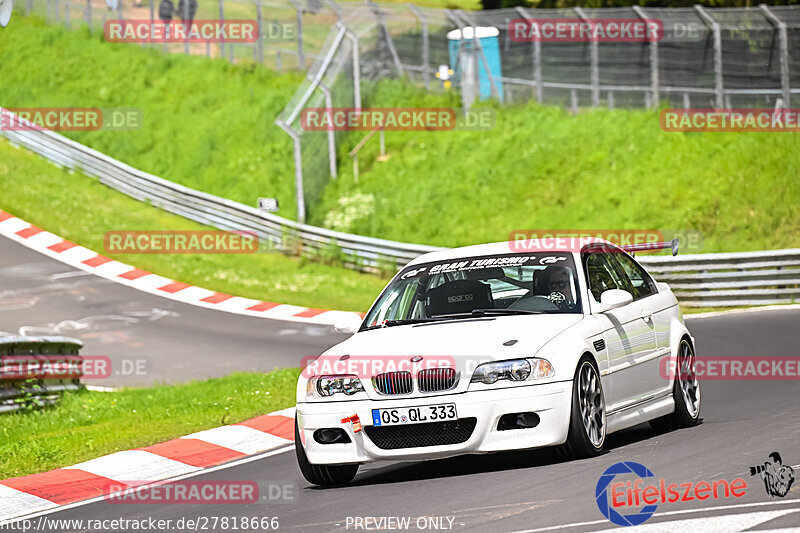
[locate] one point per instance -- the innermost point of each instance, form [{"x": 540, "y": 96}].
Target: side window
[
  {"x": 600, "y": 276},
  {"x": 641, "y": 283}
]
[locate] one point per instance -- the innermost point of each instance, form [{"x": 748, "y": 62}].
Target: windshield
[{"x": 477, "y": 286}]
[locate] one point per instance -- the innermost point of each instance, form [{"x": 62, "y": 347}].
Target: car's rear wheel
[
  {"x": 587, "y": 425},
  {"x": 685, "y": 392},
  {"x": 325, "y": 475}
]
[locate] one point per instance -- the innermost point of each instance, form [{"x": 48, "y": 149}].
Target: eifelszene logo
[
  {"x": 778, "y": 477},
  {"x": 644, "y": 500}
]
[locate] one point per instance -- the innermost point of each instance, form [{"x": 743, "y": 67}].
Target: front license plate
[{"x": 414, "y": 415}]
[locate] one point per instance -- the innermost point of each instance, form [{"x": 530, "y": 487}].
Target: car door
[
  {"x": 656, "y": 308},
  {"x": 628, "y": 334}
]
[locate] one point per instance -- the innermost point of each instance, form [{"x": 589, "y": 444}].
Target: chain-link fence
[{"x": 704, "y": 58}]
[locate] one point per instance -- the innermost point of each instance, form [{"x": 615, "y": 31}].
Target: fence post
[
  {"x": 356, "y": 66},
  {"x": 222, "y": 19},
  {"x": 477, "y": 43},
  {"x": 537, "y": 58},
  {"x": 331, "y": 134},
  {"x": 186, "y": 29},
  {"x": 89, "y": 15},
  {"x": 653, "y": 44},
  {"x": 574, "y": 98},
  {"x": 717, "y": 36},
  {"x": 298, "y": 170},
  {"x": 301, "y": 58},
  {"x": 426, "y": 47},
  {"x": 336, "y": 9},
  {"x": 783, "y": 41},
  {"x": 260, "y": 43},
  {"x": 594, "y": 68},
  {"x": 381, "y": 18}
]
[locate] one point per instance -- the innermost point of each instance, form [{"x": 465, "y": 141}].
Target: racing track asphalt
[
  {"x": 168, "y": 340},
  {"x": 742, "y": 423}
]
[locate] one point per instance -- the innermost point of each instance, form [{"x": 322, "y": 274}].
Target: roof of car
[{"x": 553, "y": 244}]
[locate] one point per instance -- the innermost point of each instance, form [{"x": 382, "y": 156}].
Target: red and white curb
[
  {"x": 105, "y": 475},
  {"x": 82, "y": 258}
]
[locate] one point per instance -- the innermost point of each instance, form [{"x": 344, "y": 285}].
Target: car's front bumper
[{"x": 551, "y": 402}]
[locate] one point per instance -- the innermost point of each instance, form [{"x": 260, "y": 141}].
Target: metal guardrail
[
  {"x": 701, "y": 280},
  {"x": 362, "y": 253},
  {"x": 730, "y": 279},
  {"x": 18, "y": 355}
]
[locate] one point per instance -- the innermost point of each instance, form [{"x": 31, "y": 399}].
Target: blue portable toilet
[{"x": 463, "y": 58}]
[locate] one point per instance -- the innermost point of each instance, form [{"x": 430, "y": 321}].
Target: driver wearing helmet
[{"x": 558, "y": 286}]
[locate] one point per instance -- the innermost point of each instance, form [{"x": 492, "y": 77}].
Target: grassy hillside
[
  {"x": 206, "y": 124},
  {"x": 82, "y": 210},
  {"x": 542, "y": 167},
  {"x": 209, "y": 125}
]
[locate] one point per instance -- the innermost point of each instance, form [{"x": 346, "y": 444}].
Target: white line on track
[{"x": 232, "y": 464}]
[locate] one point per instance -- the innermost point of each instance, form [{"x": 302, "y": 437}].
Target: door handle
[{"x": 647, "y": 316}]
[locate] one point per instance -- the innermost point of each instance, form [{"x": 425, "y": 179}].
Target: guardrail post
[
  {"x": 783, "y": 41},
  {"x": 719, "y": 89},
  {"x": 426, "y": 47},
  {"x": 653, "y": 45},
  {"x": 594, "y": 58},
  {"x": 537, "y": 59},
  {"x": 35, "y": 371}
]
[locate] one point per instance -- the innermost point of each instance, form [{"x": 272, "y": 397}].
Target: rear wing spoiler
[{"x": 633, "y": 248}]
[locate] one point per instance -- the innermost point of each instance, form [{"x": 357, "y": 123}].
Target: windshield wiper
[
  {"x": 481, "y": 312},
  {"x": 403, "y": 321}
]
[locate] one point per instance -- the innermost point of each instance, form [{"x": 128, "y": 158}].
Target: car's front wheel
[
  {"x": 325, "y": 475},
  {"x": 587, "y": 425},
  {"x": 685, "y": 392}
]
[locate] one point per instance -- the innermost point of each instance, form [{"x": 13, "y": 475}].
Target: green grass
[
  {"x": 206, "y": 124},
  {"x": 85, "y": 425},
  {"x": 81, "y": 209},
  {"x": 209, "y": 125}
]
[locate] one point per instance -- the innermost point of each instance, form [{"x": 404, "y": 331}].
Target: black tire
[
  {"x": 324, "y": 475},
  {"x": 579, "y": 443},
  {"x": 682, "y": 417}
]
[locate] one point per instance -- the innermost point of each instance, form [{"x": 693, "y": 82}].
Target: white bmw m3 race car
[{"x": 489, "y": 348}]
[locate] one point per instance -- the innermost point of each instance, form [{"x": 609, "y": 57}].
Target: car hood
[{"x": 463, "y": 343}]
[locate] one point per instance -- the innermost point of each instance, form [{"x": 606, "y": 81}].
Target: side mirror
[
  {"x": 347, "y": 323},
  {"x": 613, "y": 299}
]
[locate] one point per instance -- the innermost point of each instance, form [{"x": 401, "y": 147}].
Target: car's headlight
[
  {"x": 513, "y": 370},
  {"x": 330, "y": 385}
]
